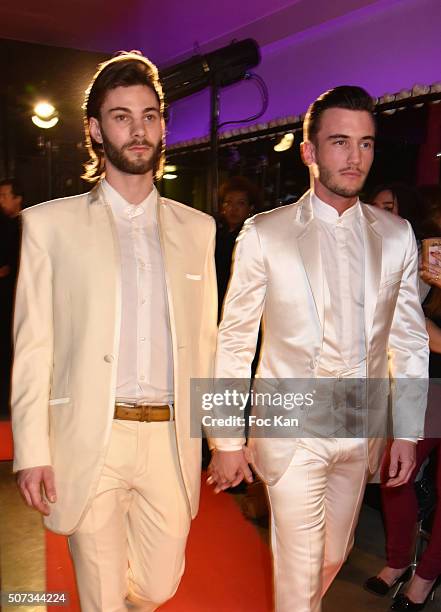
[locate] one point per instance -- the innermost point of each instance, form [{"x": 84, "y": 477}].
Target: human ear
[
  {"x": 95, "y": 130},
  {"x": 307, "y": 151}
]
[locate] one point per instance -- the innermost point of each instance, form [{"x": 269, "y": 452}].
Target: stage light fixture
[
  {"x": 215, "y": 70},
  {"x": 44, "y": 110},
  {"x": 41, "y": 123},
  {"x": 284, "y": 143},
  {"x": 169, "y": 176},
  {"x": 45, "y": 115},
  {"x": 222, "y": 67}
]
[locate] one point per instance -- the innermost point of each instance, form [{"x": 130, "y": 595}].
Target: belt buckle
[{"x": 145, "y": 413}]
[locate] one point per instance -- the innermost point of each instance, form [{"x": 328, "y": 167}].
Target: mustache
[
  {"x": 352, "y": 169},
  {"x": 139, "y": 143}
]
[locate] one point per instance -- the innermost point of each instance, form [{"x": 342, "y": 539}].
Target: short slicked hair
[{"x": 349, "y": 97}]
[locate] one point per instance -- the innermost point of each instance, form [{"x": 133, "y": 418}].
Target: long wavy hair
[{"x": 123, "y": 70}]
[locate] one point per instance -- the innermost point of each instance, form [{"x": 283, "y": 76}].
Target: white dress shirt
[
  {"x": 145, "y": 363},
  {"x": 343, "y": 354},
  {"x": 342, "y": 254}
]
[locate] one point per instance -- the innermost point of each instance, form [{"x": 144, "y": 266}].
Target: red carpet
[
  {"x": 6, "y": 447},
  {"x": 228, "y": 566},
  {"x": 59, "y": 571}
]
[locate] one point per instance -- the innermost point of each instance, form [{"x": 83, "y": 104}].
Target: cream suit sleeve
[
  {"x": 242, "y": 312},
  {"x": 208, "y": 335},
  {"x": 409, "y": 351},
  {"x": 209, "y": 321},
  {"x": 33, "y": 352}
]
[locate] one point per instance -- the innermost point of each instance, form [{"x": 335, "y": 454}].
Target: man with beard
[
  {"x": 335, "y": 282},
  {"x": 116, "y": 310}
]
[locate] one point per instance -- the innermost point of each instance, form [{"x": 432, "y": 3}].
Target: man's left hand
[{"x": 402, "y": 462}]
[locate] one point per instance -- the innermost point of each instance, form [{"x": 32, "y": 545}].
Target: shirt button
[
  {"x": 143, "y": 301},
  {"x": 142, "y": 378},
  {"x": 109, "y": 358},
  {"x": 142, "y": 339},
  {"x": 141, "y": 264}
]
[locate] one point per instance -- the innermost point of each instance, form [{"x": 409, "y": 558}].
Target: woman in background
[
  {"x": 399, "y": 199},
  {"x": 400, "y": 506},
  {"x": 407, "y": 202}
]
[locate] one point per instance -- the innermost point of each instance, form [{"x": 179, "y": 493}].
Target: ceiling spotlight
[
  {"x": 45, "y": 115},
  {"x": 438, "y": 154},
  {"x": 44, "y": 110},
  {"x": 284, "y": 143},
  {"x": 41, "y": 123},
  {"x": 170, "y": 168},
  {"x": 169, "y": 176}
]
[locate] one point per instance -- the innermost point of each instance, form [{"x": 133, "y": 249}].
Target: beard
[
  {"x": 119, "y": 159},
  {"x": 330, "y": 180}
]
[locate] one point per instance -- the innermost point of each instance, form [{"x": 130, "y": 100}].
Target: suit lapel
[
  {"x": 309, "y": 246},
  {"x": 164, "y": 240},
  {"x": 107, "y": 250},
  {"x": 372, "y": 262}
]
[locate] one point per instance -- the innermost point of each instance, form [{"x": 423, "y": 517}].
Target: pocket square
[{"x": 60, "y": 400}]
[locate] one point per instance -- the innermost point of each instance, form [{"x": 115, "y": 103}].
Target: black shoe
[
  {"x": 402, "y": 602},
  {"x": 379, "y": 587}
]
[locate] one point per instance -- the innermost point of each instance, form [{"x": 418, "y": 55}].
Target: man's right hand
[
  {"x": 32, "y": 482},
  {"x": 228, "y": 469}
]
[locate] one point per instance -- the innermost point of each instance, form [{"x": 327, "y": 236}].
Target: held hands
[
  {"x": 229, "y": 468},
  {"x": 32, "y": 482},
  {"x": 402, "y": 462}
]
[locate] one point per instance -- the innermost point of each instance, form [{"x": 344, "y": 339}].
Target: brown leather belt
[{"x": 142, "y": 412}]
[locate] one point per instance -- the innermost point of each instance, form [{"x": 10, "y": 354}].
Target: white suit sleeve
[
  {"x": 242, "y": 312},
  {"x": 409, "y": 352}
]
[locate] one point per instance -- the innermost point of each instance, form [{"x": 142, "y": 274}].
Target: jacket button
[{"x": 109, "y": 358}]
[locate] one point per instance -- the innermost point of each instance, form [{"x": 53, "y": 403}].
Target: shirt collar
[
  {"x": 124, "y": 209},
  {"x": 328, "y": 214}
]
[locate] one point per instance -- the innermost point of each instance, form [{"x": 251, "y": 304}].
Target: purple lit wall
[{"x": 385, "y": 46}]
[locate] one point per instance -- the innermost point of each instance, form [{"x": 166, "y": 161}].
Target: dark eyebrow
[
  {"x": 123, "y": 109},
  {"x": 345, "y": 136}
]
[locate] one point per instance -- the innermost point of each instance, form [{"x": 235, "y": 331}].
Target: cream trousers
[
  {"x": 128, "y": 551},
  {"x": 314, "y": 510}
]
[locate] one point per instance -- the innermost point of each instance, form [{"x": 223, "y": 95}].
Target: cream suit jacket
[
  {"x": 67, "y": 324},
  {"x": 278, "y": 276}
]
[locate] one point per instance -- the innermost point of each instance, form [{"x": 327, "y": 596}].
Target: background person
[
  {"x": 11, "y": 203},
  {"x": 400, "y": 505}
]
